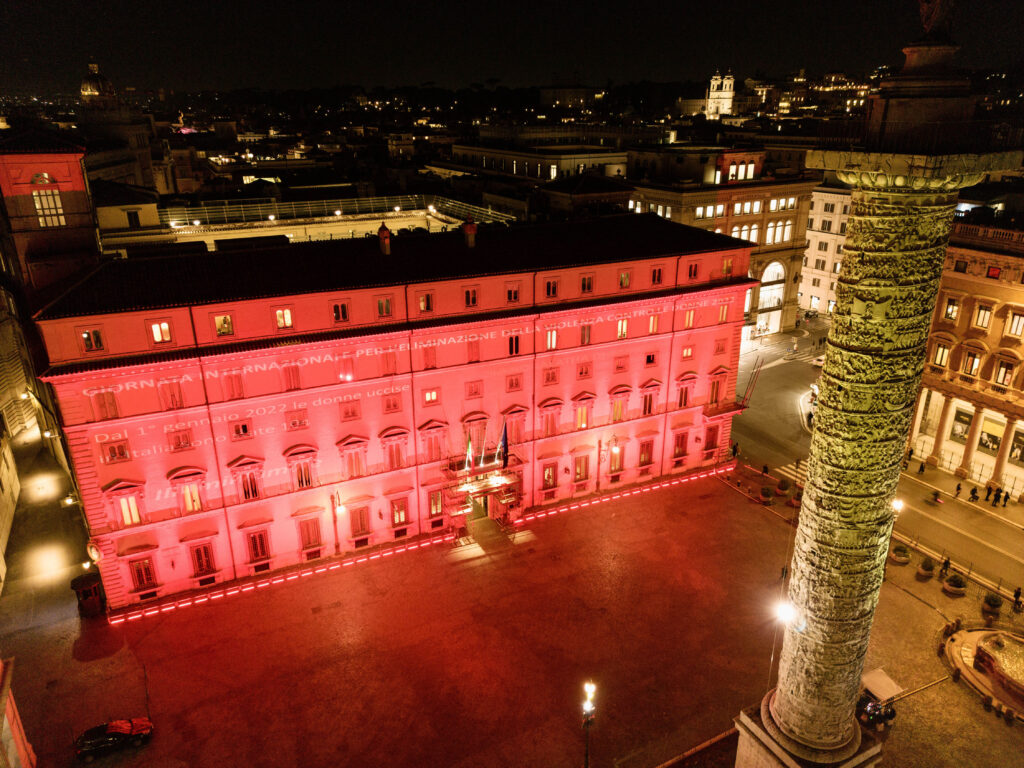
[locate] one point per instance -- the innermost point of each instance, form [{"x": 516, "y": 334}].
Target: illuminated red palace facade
[{"x": 238, "y": 412}]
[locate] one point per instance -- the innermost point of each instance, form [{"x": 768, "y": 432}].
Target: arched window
[
  {"x": 247, "y": 472},
  {"x": 474, "y": 430},
  {"x": 302, "y": 461},
  {"x": 394, "y": 442},
  {"x": 550, "y": 415},
  {"x": 190, "y": 485},
  {"x": 583, "y": 405},
  {"x": 434, "y": 440},
  {"x": 125, "y": 498}
]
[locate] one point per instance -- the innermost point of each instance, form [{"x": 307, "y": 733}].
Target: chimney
[
  {"x": 384, "y": 234},
  {"x": 469, "y": 230}
]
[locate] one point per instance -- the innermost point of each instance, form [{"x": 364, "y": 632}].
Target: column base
[
  {"x": 757, "y": 748},
  {"x": 960, "y": 472}
]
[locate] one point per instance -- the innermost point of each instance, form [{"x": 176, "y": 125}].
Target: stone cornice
[{"x": 907, "y": 173}]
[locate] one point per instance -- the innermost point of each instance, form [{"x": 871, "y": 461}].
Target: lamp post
[{"x": 588, "y": 719}]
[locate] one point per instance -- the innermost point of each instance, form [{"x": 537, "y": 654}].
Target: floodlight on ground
[
  {"x": 398, "y": 208},
  {"x": 897, "y": 505},
  {"x": 337, "y": 213},
  {"x": 786, "y": 612},
  {"x": 23, "y": 395},
  {"x": 271, "y": 217},
  {"x": 195, "y": 222}
]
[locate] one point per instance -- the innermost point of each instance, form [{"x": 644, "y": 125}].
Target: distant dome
[{"x": 97, "y": 89}]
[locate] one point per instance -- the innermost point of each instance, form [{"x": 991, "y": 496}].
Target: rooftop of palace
[{"x": 188, "y": 278}]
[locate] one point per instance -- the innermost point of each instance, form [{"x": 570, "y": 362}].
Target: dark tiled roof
[
  {"x": 127, "y": 285},
  {"x": 37, "y": 141},
  {"x": 114, "y": 193},
  {"x": 587, "y": 184}
]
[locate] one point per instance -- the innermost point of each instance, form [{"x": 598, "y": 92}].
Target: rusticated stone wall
[{"x": 893, "y": 258}]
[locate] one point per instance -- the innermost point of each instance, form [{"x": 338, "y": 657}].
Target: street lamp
[
  {"x": 588, "y": 719},
  {"x": 897, "y": 506},
  {"x": 790, "y": 615}
]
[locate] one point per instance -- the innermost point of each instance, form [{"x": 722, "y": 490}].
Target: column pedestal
[
  {"x": 757, "y": 748},
  {"x": 973, "y": 433},
  {"x": 942, "y": 432}
]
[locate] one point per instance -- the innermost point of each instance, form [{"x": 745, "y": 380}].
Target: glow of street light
[
  {"x": 24, "y": 395},
  {"x": 588, "y": 704},
  {"x": 785, "y": 612},
  {"x": 195, "y": 222},
  {"x": 897, "y": 505},
  {"x": 271, "y": 217}
]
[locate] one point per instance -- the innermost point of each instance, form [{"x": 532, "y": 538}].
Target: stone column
[
  {"x": 942, "y": 432},
  {"x": 973, "y": 433},
  {"x": 915, "y": 424},
  {"x": 1003, "y": 454}
]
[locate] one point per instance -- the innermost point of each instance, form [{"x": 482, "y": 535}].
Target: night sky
[{"x": 222, "y": 44}]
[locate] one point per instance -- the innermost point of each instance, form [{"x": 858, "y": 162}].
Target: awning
[
  {"x": 315, "y": 509},
  {"x": 253, "y": 522},
  {"x": 880, "y": 685}
]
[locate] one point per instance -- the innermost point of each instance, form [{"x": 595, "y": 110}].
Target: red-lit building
[{"x": 233, "y": 413}]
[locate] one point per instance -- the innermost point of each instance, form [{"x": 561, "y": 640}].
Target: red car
[{"x": 112, "y": 736}]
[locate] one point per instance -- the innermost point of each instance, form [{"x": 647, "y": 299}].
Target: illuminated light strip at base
[{"x": 185, "y": 603}]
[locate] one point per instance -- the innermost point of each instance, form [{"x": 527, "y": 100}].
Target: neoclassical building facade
[
  {"x": 970, "y": 408},
  {"x": 235, "y": 413}
]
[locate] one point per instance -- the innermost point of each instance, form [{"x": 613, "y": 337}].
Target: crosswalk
[{"x": 792, "y": 472}]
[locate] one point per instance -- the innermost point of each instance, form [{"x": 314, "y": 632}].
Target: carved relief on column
[
  {"x": 885, "y": 295},
  {"x": 973, "y": 433}
]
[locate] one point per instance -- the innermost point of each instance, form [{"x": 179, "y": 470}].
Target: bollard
[{"x": 956, "y": 674}]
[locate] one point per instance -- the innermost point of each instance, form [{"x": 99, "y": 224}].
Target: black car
[
  {"x": 112, "y": 736},
  {"x": 810, "y": 313}
]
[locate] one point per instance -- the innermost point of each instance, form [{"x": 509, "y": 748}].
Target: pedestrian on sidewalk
[
  {"x": 1006, "y": 498},
  {"x": 998, "y": 497},
  {"x": 798, "y": 465},
  {"x": 974, "y": 495},
  {"x": 920, "y": 470},
  {"x": 910, "y": 454},
  {"x": 735, "y": 449},
  {"x": 958, "y": 489},
  {"x": 764, "y": 470},
  {"x": 945, "y": 568},
  {"x": 1016, "y": 599},
  {"x": 988, "y": 493}
]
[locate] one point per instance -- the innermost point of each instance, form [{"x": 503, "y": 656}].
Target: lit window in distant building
[
  {"x": 384, "y": 306},
  {"x": 623, "y": 329},
  {"x": 971, "y": 363},
  {"x": 587, "y": 284},
  {"x": 983, "y": 316},
  {"x": 223, "y": 325},
  {"x": 92, "y": 340},
  {"x": 284, "y": 318},
  {"x": 161, "y": 332},
  {"x": 1016, "y": 325},
  {"x": 129, "y": 507},
  {"x": 49, "y": 208},
  {"x": 652, "y": 324},
  {"x": 1004, "y": 373},
  {"x": 952, "y": 309},
  {"x": 143, "y": 577},
  {"x": 340, "y": 312},
  {"x": 656, "y": 276},
  {"x": 624, "y": 277},
  {"x": 552, "y": 340},
  {"x": 426, "y": 302}
]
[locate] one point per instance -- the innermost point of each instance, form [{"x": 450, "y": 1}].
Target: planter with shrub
[
  {"x": 900, "y": 554},
  {"x": 926, "y": 569},
  {"x": 992, "y": 604},
  {"x": 782, "y": 487},
  {"x": 955, "y": 585},
  {"x": 795, "y": 499}
]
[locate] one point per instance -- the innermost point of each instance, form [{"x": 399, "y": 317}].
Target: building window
[
  {"x": 679, "y": 445},
  {"x": 129, "y": 508},
  {"x": 49, "y": 208},
  {"x": 179, "y": 439},
  {"x": 429, "y": 396},
  {"x": 92, "y": 340},
  {"x": 646, "y": 453},
  {"x": 309, "y": 533},
  {"x": 1016, "y": 327},
  {"x": 815, "y": 282},
  {"x": 202, "y": 560},
  {"x": 648, "y": 404},
  {"x": 259, "y": 546},
  {"x": 474, "y": 389},
  {"x": 170, "y": 395},
  {"x": 190, "y": 499},
  {"x": 359, "y": 522},
  {"x": 583, "y": 414},
  {"x": 434, "y": 505},
  {"x": 395, "y": 452},
  {"x": 470, "y": 297},
  {"x": 684, "y": 395},
  {"x": 656, "y": 276},
  {"x": 984, "y": 314},
  {"x": 473, "y": 351},
  {"x": 551, "y": 289},
  {"x": 513, "y": 345},
  {"x": 353, "y": 459},
  {"x": 116, "y": 451},
  {"x": 241, "y": 430},
  {"x": 583, "y": 370},
  {"x": 429, "y": 358},
  {"x": 692, "y": 270},
  {"x": 426, "y": 302},
  {"x": 339, "y": 312},
  {"x": 723, "y": 313},
  {"x": 384, "y": 307},
  {"x": 549, "y": 422},
  {"x": 1004, "y": 373},
  {"x": 291, "y": 376},
  {"x": 960, "y": 266},
  {"x": 713, "y": 391},
  {"x": 650, "y": 359},
  {"x": 727, "y": 266},
  {"x": 232, "y": 385},
  {"x": 621, "y": 364},
  {"x": 552, "y": 342},
  {"x": 346, "y": 369},
  {"x": 161, "y": 332},
  {"x": 284, "y": 318},
  {"x": 550, "y": 376},
  {"x": 550, "y": 476},
  {"x": 822, "y": 246},
  {"x": 250, "y": 484},
  {"x": 297, "y": 419},
  {"x": 104, "y": 405},
  {"x": 392, "y": 404},
  {"x": 688, "y": 319},
  {"x": 616, "y": 461},
  {"x": 388, "y": 363},
  {"x": 971, "y": 362},
  {"x": 143, "y": 577},
  {"x": 993, "y": 273},
  {"x": 581, "y": 469},
  {"x": 622, "y": 329},
  {"x": 619, "y": 407},
  {"x": 223, "y": 326},
  {"x": 512, "y": 293},
  {"x": 952, "y": 309},
  {"x": 513, "y": 383},
  {"x": 624, "y": 278},
  {"x": 399, "y": 512},
  {"x": 587, "y": 284},
  {"x": 687, "y": 353},
  {"x": 584, "y": 335}
]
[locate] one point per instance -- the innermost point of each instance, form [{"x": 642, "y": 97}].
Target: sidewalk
[{"x": 47, "y": 543}]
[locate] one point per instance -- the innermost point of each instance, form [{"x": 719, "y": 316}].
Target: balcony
[{"x": 723, "y": 408}]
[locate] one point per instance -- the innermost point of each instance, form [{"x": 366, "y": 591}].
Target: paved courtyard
[{"x": 476, "y": 656}]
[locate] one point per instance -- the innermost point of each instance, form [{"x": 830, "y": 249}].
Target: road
[{"x": 977, "y": 537}]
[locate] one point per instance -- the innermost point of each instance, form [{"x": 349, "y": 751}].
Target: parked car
[
  {"x": 818, "y": 361},
  {"x": 811, "y": 313},
  {"x": 112, "y": 736}
]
